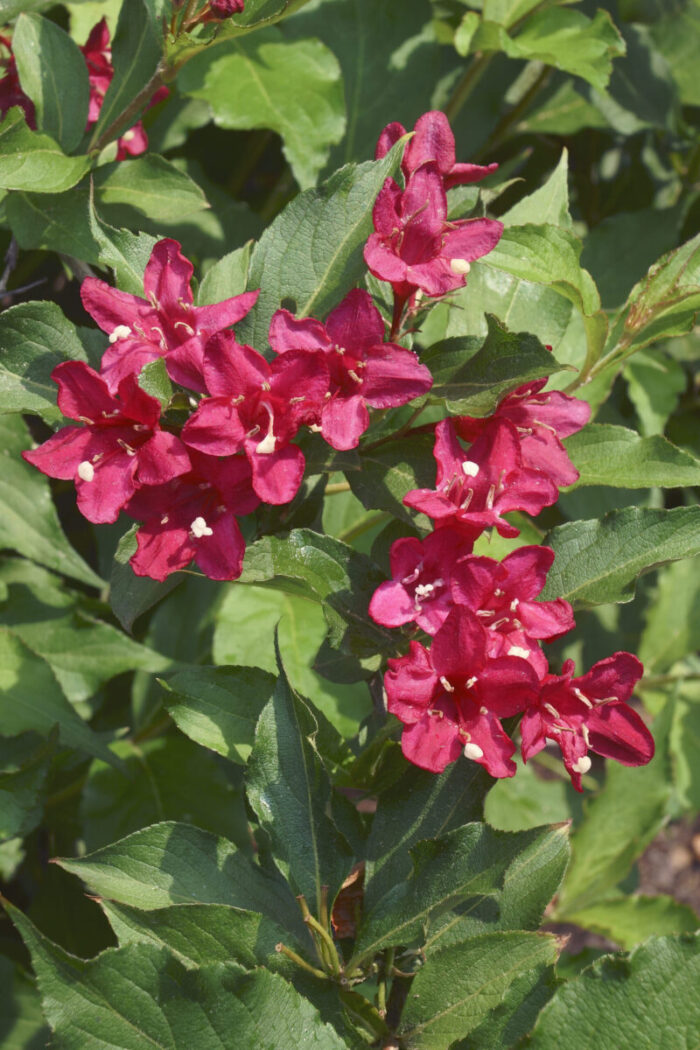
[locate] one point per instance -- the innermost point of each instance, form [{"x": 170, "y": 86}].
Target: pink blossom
[
  {"x": 542, "y": 420},
  {"x": 420, "y": 588},
  {"x": 226, "y": 8},
  {"x": 415, "y": 247},
  {"x": 432, "y": 140},
  {"x": 165, "y": 324},
  {"x": 589, "y": 713},
  {"x": 257, "y": 408},
  {"x": 194, "y": 518},
  {"x": 474, "y": 489},
  {"x": 451, "y": 698},
  {"x": 364, "y": 370},
  {"x": 119, "y": 448}
]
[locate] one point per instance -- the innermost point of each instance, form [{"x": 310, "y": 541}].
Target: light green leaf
[
  {"x": 570, "y": 41},
  {"x": 171, "y": 863},
  {"x": 389, "y": 471},
  {"x": 311, "y": 255},
  {"x": 150, "y": 185},
  {"x": 629, "y": 920},
  {"x": 644, "y": 1000},
  {"x": 610, "y": 455},
  {"x": 34, "y": 338},
  {"x": 142, "y": 998},
  {"x": 219, "y": 707},
  {"x": 672, "y": 618},
  {"x": 525, "y": 800},
  {"x": 227, "y": 277},
  {"x": 685, "y": 745},
  {"x": 154, "y": 379},
  {"x": 32, "y": 162},
  {"x": 549, "y": 204},
  {"x": 290, "y": 790},
  {"x": 125, "y": 252},
  {"x": 677, "y": 37},
  {"x": 460, "y": 986},
  {"x": 28, "y": 520},
  {"x": 655, "y": 383},
  {"x": 246, "y": 82},
  {"x": 599, "y": 561}
]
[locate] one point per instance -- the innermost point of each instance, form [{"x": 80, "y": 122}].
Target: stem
[
  {"x": 468, "y": 82},
  {"x": 653, "y": 681},
  {"x": 363, "y": 1012},
  {"x": 128, "y": 116},
  {"x": 348, "y": 535},
  {"x": 399, "y": 304},
  {"x": 386, "y": 972},
  {"x": 334, "y": 488},
  {"x": 401, "y": 432},
  {"x": 326, "y": 941},
  {"x": 298, "y": 961},
  {"x": 508, "y": 119}
]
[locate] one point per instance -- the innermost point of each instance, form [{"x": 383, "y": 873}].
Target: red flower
[
  {"x": 119, "y": 448},
  {"x": 589, "y": 713},
  {"x": 452, "y": 697},
  {"x": 541, "y": 420},
  {"x": 475, "y": 489},
  {"x": 258, "y": 408},
  {"x": 11, "y": 93},
  {"x": 364, "y": 370},
  {"x": 415, "y": 247},
  {"x": 432, "y": 141},
  {"x": 501, "y": 594},
  {"x": 420, "y": 588},
  {"x": 194, "y": 518},
  {"x": 226, "y": 8},
  {"x": 166, "y": 324}
]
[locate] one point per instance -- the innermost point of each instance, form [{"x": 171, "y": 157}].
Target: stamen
[
  {"x": 582, "y": 765},
  {"x": 497, "y": 623},
  {"x": 470, "y": 468},
  {"x": 498, "y": 592},
  {"x": 447, "y": 686},
  {"x": 354, "y": 376},
  {"x": 267, "y": 446},
  {"x": 485, "y": 612},
  {"x": 467, "y": 501},
  {"x": 161, "y": 337},
  {"x": 265, "y": 386},
  {"x": 471, "y": 682},
  {"x": 514, "y": 604},
  {"x": 164, "y": 520},
  {"x": 127, "y": 448},
  {"x": 436, "y": 712},
  {"x": 473, "y": 751},
  {"x": 122, "y": 331},
  {"x": 582, "y": 698},
  {"x": 199, "y": 528},
  {"x": 490, "y": 497},
  {"x": 586, "y": 735},
  {"x": 460, "y": 266},
  {"x": 297, "y": 400},
  {"x": 552, "y": 710},
  {"x": 86, "y": 471},
  {"x": 517, "y": 650},
  {"x": 183, "y": 324}
]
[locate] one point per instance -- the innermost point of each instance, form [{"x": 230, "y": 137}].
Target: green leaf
[
  {"x": 168, "y": 778},
  {"x": 655, "y": 383},
  {"x": 53, "y": 74},
  {"x": 31, "y": 699},
  {"x": 631, "y": 998},
  {"x": 142, "y": 998},
  {"x": 34, "y": 338},
  {"x": 619, "y": 823},
  {"x": 227, "y": 277},
  {"x": 24, "y": 1027},
  {"x": 130, "y": 595},
  {"x": 389, "y": 471},
  {"x": 460, "y": 986},
  {"x": 54, "y": 221},
  {"x": 672, "y": 618},
  {"x": 472, "y": 383},
  {"x": 629, "y": 920},
  {"x": 171, "y": 863},
  {"x": 465, "y": 865},
  {"x": 149, "y": 185},
  {"x": 677, "y": 37},
  {"x": 246, "y": 82},
  {"x": 198, "y": 934},
  {"x": 28, "y": 520},
  {"x": 525, "y": 800},
  {"x": 219, "y": 707},
  {"x": 125, "y": 252},
  {"x": 685, "y": 745},
  {"x": 289, "y": 788},
  {"x": 549, "y": 204},
  {"x": 24, "y": 764},
  {"x": 609, "y": 455},
  {"x": 32, "y": 162},
  {"x": 569, "y": 41},
  {"x": 599, "y": 561},
  {"x": 136, "y": 53},
  {"x": 421, "y": 805},
  {"x": 311, "y": 255},
  {"x": 154, "y": 379}
]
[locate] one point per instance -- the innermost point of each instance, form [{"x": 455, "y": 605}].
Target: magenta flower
[
  {"x": 225, "y": 8},
  {"x": 364, "y": 370},
  {"x": 432, "y": 141},
  {"x": 420, "y": 588},
  {"x": 501, "y": 594},
  {"x": 194, "y": 518},
  {"x": 589, "y": 713},
  {"x": 475, "y": 489},
  {"x": 257, "y": 408},
  {"x": 451, "y": 698},
  {"x": 165, "y": 324},
  {"x": 415, "y": 247},
  {"x": 542, "y": 420},
  {"x": 119, "y": 448}
]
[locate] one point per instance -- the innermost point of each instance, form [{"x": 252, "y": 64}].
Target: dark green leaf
[
  {"x": 23, "y": 1025},
  {"x": 391, "y": 470},
  {"x": 672, "y": 619},
  {"x": 130, "y": 595},
  {"x": 35, "y": 163},
  {"x": 149, "y": 185},
  {"x": 599, "y": 561},
  {"x": 53, "y": 74},
  {"x": 290, "y": 790},
  {"x": 24, "y": 764},
  {"x": 125, "y": 252}
]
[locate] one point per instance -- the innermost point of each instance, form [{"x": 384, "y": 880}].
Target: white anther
[
  {"x": 447, "y": 685},
  {"x": 122, "y": 331},
  {"x": 199, "y": 528},
  {"x": 514, "y": 604},
  {"x": 473, "y": 751},
  {"x": 315, "y": 428},
  {"x": 490, "y": 497},
  {"x": 128, "y": 135},
  {"x": 582, "y": 698},
  {"x": 86, "y": 471},
  {"x": 471, "y": 681},
  {"x": 424, "y": 590},
  {"x": 354, "y": 376},
  {"x": 486, "y": 612},
  {"x": 552, "y": 710},
  {"x": 582, "y": 765},
  {"x": 498, "y": 592},
  {"x": 164, "y": 520},
  {"x": 470, "y": 469},
  {"x": 268, "y": 443},
  {"x": 460, "y": 266},
  {"x": 517, "y": 650}
]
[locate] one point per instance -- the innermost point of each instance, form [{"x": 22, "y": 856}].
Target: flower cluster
[
  {"x": 485, "y": 662},
  {"x": 98, "y": 59}
]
